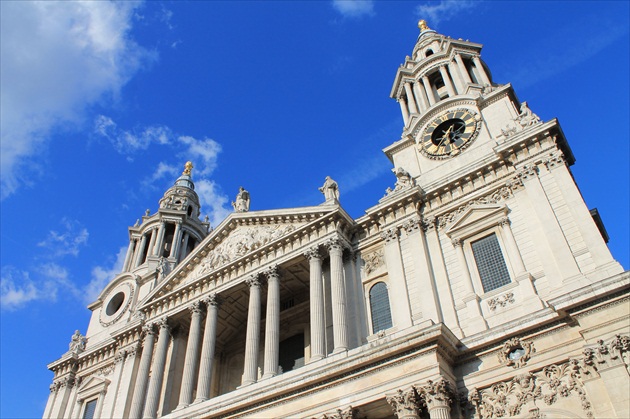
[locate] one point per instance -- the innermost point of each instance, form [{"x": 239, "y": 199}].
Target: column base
[
  {"x": 339, "y": 351},
  {"x": 315, "y": 358},
  {"x": 181, "y": 406},
  {"x": 268, "y": 375},
  {"x": 200, "y": 400}
]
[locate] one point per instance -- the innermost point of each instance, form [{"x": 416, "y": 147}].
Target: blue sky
[{"x": 102, "y": 103}]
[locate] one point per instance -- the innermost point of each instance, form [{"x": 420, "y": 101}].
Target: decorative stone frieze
[
  {"x": 516, "y": 353},
  {"x": 501, "y": 301},
  {"x": 373, "y": 261},
  {"x": 406, "y": 404},
  {"x": 606, "y": 355},
  {"x": 510, "y": 398},
  {"x": 348, "y": 413},
  {"x": 239, "y": 243}
]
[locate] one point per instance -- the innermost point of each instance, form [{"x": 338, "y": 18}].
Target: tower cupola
[
  {"x": 160, "y": 241},
  {"x": 439, "y": 69}
]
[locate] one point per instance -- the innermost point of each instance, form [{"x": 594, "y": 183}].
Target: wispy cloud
[
  {"x": 65, "y": 241},
  {"x": 354, "y": 8},
  {"x": 213, "y": 201},
  {"x": 561, "y": 56},
  {"x": 435, "y": 12},
  {"x": 202, "y": 152},
  {"x": 58, "y": 58},
  {"x": 18, "y": 288}
]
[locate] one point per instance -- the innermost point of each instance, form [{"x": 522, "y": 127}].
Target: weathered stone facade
[{"x": 479, "y": 286}]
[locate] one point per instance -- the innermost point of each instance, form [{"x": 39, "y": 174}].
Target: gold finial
[
  {"x": 187, "y": 168},
  {"x": 422, "y": 24}
]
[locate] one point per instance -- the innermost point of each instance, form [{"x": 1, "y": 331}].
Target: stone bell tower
[
  {"x": 161, "y": 240},
  {"x": 496, "y": 185}
]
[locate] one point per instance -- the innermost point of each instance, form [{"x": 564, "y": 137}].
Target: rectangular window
[
  {"x": 90, "y": 409},
  {"x": 490, "y": 263}
]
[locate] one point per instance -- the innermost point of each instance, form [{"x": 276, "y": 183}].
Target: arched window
[
  {"x": 379, "y": 307},
  {"x": 429, "y": 52}
]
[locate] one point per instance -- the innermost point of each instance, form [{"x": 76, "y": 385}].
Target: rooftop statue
[
  {"x": 242, "y": 201},
  {"x": 330, "y": 189}
]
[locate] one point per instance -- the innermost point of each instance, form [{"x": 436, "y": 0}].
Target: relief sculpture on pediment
[{"x": 241, "y": 242}]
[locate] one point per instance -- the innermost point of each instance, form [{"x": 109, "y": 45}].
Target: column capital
[
  {"x": 162, "y": 324},
  {"x": 334, "y": 244},
  {"x": 213, "y": 299},
  {"x": 405, "y": 403},
  {"x": 390, "y": 234},
  {"x": 528, "y": 172},
  {"x": 313, "y": 253},
  {"x": 195, "y": 308},
  {"x": 436, "y": 394},
  {"x": 148, "y": 329},
  {"x": 254, "y": 281},
  {"x": 457, "y": 242},
  {"x": 272, "y": 272}
]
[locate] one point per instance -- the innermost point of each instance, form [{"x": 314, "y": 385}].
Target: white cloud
[
  {"x": 66, "y": 241},
  {"x": 436, "y": 12},
  {"x": 57, "y": 59},
  {"x": 213, "y": 202},
  {"x": 17, "y": 289},
  {"x": 101, "y": 276},
  {"x": 354, "y": 8},
  {"x": 202, "y": 152}
]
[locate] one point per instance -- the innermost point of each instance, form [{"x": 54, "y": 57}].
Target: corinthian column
[
  {"x": 192, "y": 356},
  {"x": 272, "y": 323},
  {"x": 142, "y": 379},
  {"x": 157, "y": 370},
  {"x": 405, "y": 404},
  {"x": 318, "y": 325},
  {"x": 438, "y": 397},
  {"x": 213, "y": 301},
  {"x": 338, "y": 297},
  {"x": 253, "y": 332}
]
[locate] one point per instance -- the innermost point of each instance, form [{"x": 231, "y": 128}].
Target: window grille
[
  {"x": 379, "y": 307},
  {"x": 490, "y": 263},
  {"x": 90, "y": 409}
]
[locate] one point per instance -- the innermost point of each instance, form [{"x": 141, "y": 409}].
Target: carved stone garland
[{"x": 553, "y": 382}]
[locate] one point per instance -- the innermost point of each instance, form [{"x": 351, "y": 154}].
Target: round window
[{"x": 115, "y": 303}]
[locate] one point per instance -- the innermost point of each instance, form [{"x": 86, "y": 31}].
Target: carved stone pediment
[
  {"x": 240, "y": 242},
  {"x": 242, "y": 238},
  {"x": 475, "y": 218}
]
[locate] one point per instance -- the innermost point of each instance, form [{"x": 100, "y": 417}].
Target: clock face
[{"x": 450, "y": 133}]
